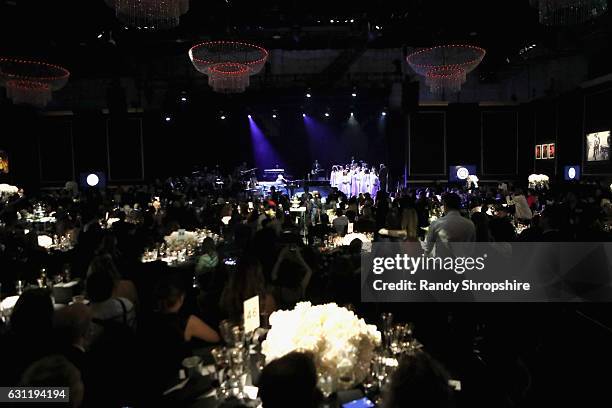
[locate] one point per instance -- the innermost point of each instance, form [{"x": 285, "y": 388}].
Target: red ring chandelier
[
  {"x": 149, "y": 14},
  {"x": 228, "y": 64},
  {"x": 568, "y": 12},
  {"x": 445, "y": 67},
  {"x": 31, "y": 82}
]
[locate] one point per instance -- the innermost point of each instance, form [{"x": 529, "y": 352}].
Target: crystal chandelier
[
  {"x": 228, "y": 64},
  {"x": 31, "y": 82},
  {"x": 445, "y": 67},
  {"x": 568, "y": 12},
  {"x": 150, "y": 14}
]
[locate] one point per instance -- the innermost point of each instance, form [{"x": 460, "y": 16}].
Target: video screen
[
  {"x": 538, "y": 152},
  {"x": 598, "y": 146},
  {"x": 545, "y": 151},
  {"x": 571, "y": 173},
  {"x": 551, "y": 151},
  {"x": 4, "y": 162},
  {"x": 461, "y": 172}
]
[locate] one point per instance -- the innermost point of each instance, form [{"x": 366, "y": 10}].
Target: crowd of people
[
  {"x": 139, "y": 320},
  {"x": 359, "y": 178}
]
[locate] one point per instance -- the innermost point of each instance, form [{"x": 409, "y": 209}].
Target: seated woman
[
  {"x": 291, "y": 276},
  {"x": 29, "y": 337},
  {"x": 207, "y": 262},
  {"x": 170, "y": 298},
  {"x": 246, "y": 281},
  {"x": 122, "y": 288},
  {"x": 106, "y": 306}
]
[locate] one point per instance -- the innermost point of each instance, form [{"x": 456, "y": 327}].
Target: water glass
[
  {"x": 387, "y": 327},
  {"x": 236, "y": 361},
  {"x": 326, "y": 384},
  {"x": 225, "y": 327},
  {"x": 238, "y": 336},
  {"x": 219, "y": 355},
  {"x": 192, "y": 366}
]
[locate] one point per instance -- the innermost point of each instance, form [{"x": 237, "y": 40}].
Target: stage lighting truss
[
  {"x": 31, "y": 82},
  {"x": 149, "y": 14},
  {"x": 446, "y": 67},
  {"x": 228, "y": 64}
]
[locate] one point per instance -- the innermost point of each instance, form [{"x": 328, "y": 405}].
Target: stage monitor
[
  {"x": 598, "y": 146},
  {"x": 92, "y": 180},
  {"x": 571, "y": 173},
  {"x": 461, "y": 172}
]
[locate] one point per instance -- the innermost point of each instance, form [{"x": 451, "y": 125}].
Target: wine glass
[
  {"x": 238, "y": 336},
  {"x": 225, "y": 327},
  {"x": 237, "y": 370},
  {"x": 326, "y": 386},
  {"x": 387, "y": 327},
  {"x": 219, "y": 355}
]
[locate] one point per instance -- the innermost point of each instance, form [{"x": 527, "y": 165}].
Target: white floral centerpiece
[
  {"x": 180, "y": 240},
  {"x": 472, "y": 181},
  {"x": 336, "y": 337},
  {"x": 538, "y": 181},
  {"x": 6, "y": 190}
]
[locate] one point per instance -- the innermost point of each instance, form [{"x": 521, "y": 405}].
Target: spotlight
[
  {"x": 327, "y": 114},
  {"x": 222, "y": 117},
  {"x": 352, "y": 114},
  {"x": 92, "y": 180},
  {"x": 168, "y": 118},
  {"x": 249, "y": 116},
  {"x": 99, "y": 35},
  {"x": 354, "y": 94},
  {"x": 352, "y": 21},
  {"x": 308, "y": 95},
  {"x": 384, "y": 113},
  {"x": 274, "y": 115},
  {"x": 303, "y": 115},
  {"x": 331, "y": 21}
]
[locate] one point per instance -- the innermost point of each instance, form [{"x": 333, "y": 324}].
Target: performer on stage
[
  {"x": 383, "y": 174},
  {"x": 364, "y": 179},
  {"x": 345, "y": 183},
  {"x": 355, "y": 181},
  {"x": 316, "y": 167},
  {"x": 334, "y": 176},
  {"x": 374, "y": 182}
]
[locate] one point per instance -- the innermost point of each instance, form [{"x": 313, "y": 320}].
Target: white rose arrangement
[
  {"x": 472, "y": 181},
  {"x": 8, "y": 190},
  {"x": 180, "y": 240},
  {"x": 334, "y": 335},
  {"x": 538, "y": 180}
]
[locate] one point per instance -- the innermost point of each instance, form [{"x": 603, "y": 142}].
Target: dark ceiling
[{"x": 76, "y": 33}]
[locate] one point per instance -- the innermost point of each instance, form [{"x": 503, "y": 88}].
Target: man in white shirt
[{"x": 451, "y": 228}]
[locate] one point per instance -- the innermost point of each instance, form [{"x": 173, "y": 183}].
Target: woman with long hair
[{"x": 246, "y": 281}]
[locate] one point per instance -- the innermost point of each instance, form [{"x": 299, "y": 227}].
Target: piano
[{"x": 272, "y": 174}]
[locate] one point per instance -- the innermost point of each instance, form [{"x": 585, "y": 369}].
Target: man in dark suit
[{"x": 383, "y": 175}]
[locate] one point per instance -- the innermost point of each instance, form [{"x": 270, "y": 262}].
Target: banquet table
[{"x": 200, "y": 392}]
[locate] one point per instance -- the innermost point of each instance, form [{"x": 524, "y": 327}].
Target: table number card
[{"x": 251, "y": 314}]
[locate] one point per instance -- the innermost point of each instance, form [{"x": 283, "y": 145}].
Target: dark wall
[{"x": 499, "y": 140}]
